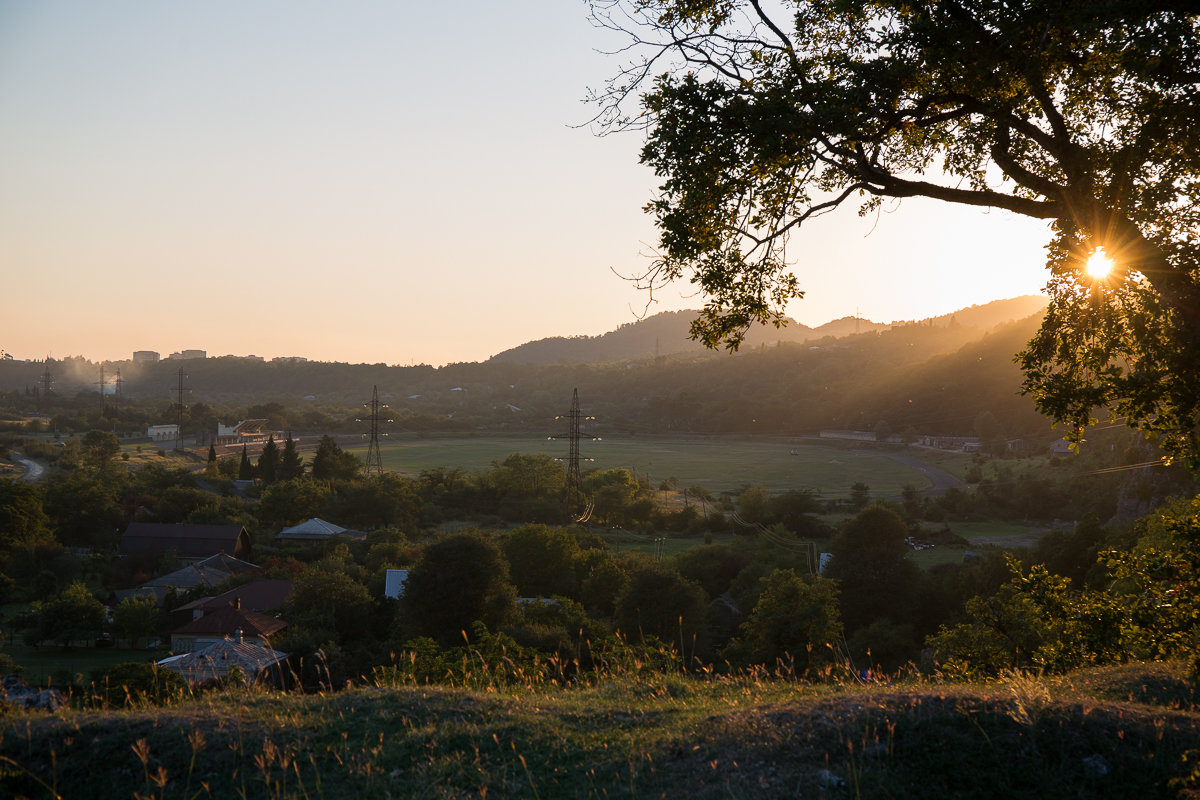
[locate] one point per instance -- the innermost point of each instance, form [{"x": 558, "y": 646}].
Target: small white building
[{"x": 163, "y": 433}]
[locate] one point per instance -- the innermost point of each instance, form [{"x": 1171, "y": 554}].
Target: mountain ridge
[{"x": 666, "y": 334}]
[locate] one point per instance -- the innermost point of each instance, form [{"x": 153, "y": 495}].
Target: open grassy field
[
  {"x": 981, "y": 536},
  {"x": 719, "y": 464},
  {"x": 49, "y": 664}
]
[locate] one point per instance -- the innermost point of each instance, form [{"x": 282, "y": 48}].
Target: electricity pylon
[
  {"x": 374, "y": 463},
  {"x": 575, "y": 418}
]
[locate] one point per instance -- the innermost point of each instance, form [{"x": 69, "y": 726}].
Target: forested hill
[
  {"x": 666, "y": 334},
  {"x": 934, "y": 376}
]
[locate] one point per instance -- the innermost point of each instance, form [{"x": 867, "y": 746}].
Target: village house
[
  {"x": 264, "y": 596},
  {"x": 187, "y": 542},
  {"x": 216, "y": 625},
  {"x": 254, "y": 663},
  {"x": 211, "y": 571},
  {"x": 315, "y": 530}
]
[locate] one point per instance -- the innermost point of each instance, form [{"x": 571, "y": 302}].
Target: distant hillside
[
  {"x": 666, "y": 334},
  {"x": 936, "y": 376}
]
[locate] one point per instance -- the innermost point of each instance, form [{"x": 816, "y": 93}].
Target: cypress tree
[
  {"x": 212, "y": 454},
  {"x": 268, "y": 462},
  {"x": 245, "y": 471},
  {"x": 290, "y": 464}
]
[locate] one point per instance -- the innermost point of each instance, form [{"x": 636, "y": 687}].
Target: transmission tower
[
  {"x": 180, "y": 407},
  {"x": 118, "y": 381},
  {"x": 574, "y": 418},
  {"x": 374, "y": 463},
  {"x": 44, "y": 384}
]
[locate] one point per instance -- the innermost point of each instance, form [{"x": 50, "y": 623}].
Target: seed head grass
[{"x": 497, "y": 729}]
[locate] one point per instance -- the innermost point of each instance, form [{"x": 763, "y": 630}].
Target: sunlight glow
[{"x": 1099, "y": 265}]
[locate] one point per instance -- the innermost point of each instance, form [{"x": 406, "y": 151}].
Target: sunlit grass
[
  {"x": 718, "y": 463},
  {"x": 626, "y": 732}
]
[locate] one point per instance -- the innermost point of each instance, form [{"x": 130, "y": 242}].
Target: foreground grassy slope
[{"x": 1120, "y": 732}]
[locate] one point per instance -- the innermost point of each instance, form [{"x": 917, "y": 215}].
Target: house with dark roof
[
  {"x": 188, "y": 542},
  {"x": 216, "y": 625},
  {"x": 254, "y": 662},
  {"x": 211, "y": 571},
  {"x": 264, "y": 596}
]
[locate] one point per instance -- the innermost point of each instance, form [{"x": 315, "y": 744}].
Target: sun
[{"x": 1099, "y": 265}]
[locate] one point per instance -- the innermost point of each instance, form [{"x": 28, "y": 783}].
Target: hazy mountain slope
[
  {"x": 666, "y": 334},
  {"x": 937, "y": 376}
]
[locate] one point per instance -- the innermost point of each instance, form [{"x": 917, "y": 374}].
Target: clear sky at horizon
[{"x": 372, "y": 182}]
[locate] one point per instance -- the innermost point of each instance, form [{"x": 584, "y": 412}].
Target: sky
[{"x": 376, "y": 182}]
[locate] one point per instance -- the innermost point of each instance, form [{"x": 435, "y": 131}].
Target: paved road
[
  {"x": 942, "y": 480},
  {"x": 33, "y": 470}
]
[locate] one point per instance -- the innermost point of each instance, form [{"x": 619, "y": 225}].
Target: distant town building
[
  {"x": 145, "y": 356},
  {"x": 1062, "y": 447},
  {"x": 857, "y": 436},
  {"x": 246, "y": 431},
  {"x": 189, "y": 354},
  {"x": 965, "y": 444},
  {"x": 163, "y": 433}
]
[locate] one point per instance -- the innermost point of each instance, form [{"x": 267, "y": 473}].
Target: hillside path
[
  {"x": 33, "y": 470},
  {"x": 942, "y": 481}
]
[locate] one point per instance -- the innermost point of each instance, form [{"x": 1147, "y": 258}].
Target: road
[
  {"x": 942, "y": 481},
  {"x": 33, "y": 470}
]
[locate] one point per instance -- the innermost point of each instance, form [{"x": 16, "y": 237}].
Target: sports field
[{"x": 715, "y": 462}]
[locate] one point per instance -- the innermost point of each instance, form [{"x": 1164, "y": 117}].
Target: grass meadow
[
  {"x": 719, "y": 464},
  {"x": 52, "y": 665}
]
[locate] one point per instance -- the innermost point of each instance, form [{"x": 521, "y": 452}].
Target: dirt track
[{"x": 942, "y": 480}]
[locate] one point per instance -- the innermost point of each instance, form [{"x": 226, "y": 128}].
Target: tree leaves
[{"x": 759, "y": 124}]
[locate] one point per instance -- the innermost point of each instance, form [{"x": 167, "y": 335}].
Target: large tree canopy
[{"x": 762, "y": 116}]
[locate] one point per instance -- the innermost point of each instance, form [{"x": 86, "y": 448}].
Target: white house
[{"x": 163, "y": 433}]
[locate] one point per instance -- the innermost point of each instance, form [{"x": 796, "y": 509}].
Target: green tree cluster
[
  {"x": 1144, "y": 607},
  {"x": 72, "y": 617}
]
